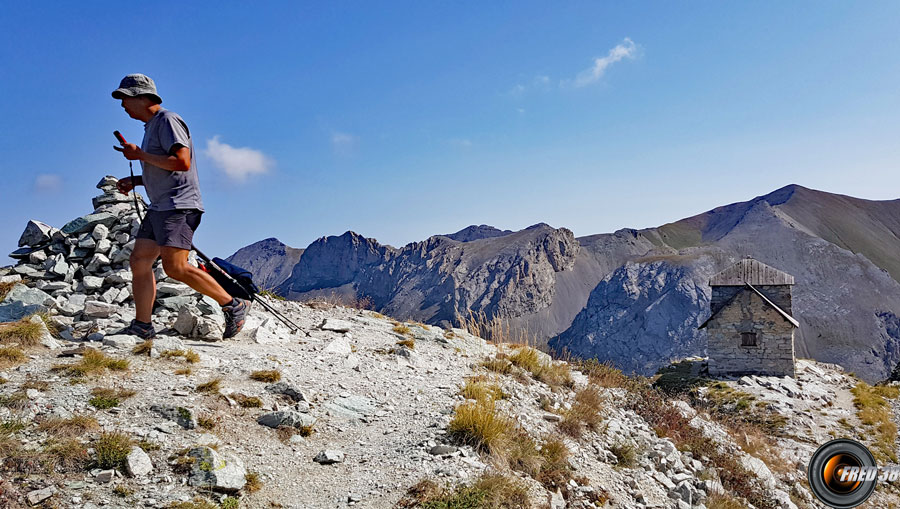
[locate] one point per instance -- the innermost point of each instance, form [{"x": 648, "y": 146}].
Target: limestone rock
[
  {"x": 22, "y": 301},
  {"x": 329, "y": 456},
  {"x": 137, "y": 463},
  {"x": 36, "y": 233},
  {"x": 218, "y": 471}
]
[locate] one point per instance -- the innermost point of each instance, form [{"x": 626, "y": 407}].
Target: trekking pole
[{"x": 255, "y": 297}]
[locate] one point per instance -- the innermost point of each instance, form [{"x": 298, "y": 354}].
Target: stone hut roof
[
  {"x": 765, "y": 299},
  {"x": 751, "y": 272}
]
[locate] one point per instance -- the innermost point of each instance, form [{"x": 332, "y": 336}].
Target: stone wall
[{"x": 774, "y": 350}]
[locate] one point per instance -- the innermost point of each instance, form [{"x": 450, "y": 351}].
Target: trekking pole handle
[{"x": 119, "y": 137}]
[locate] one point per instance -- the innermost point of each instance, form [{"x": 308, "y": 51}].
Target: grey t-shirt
[{"x": 169, "y": 190}]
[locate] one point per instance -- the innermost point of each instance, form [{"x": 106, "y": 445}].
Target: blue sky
[{"x": 400, "y": 120}]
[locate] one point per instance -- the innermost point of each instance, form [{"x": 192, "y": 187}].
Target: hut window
[{"x": 748, "y": 339}]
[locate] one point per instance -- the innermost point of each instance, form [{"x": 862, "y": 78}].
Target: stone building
[{"x": 750, "y": 328}]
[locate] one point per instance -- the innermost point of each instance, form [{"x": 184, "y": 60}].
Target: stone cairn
[{"x": 79, "y": 274}]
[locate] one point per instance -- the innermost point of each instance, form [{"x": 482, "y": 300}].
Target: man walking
[{"x": 173, "y": 188}]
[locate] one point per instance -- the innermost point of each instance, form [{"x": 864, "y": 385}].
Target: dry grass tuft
[
  {"x": 11, "y": 356},
  {"x": 480, "y": 425},
  {"x": 208, "y": 422},
  {"x": 247, "y": 401},
  {"x": 5, "y": 288},
  {"x": 23, "y": 332},
  {"x": 408, "y": 343},
  {"x": 143, "y": 348},
  {"x": 874, "y": 411},
  {"x": 603, "y": 374},
  {"x": 184, "y": 371},
  {"x": 584, "y": 413},
  {"x": 268, "y": 376},
  {"x": 254, "y": 483},
  {"x": 402, "y": 329},
  {"x": 191, "y": 357},
  {"x": 213, "y": 386},
  {"x": 67, "y": 455},
  {"x": 111, "y": 449},
  {"x": 488, "y": 491},
  {"x": 74, "y": 426},
  {"x": 105, "y": 398},
  {"x": 498, "y": 365},
  {"x": 18, "y": 400},
  {"x": 481, "y": 388},
  {"x": 93, "y": 361}
]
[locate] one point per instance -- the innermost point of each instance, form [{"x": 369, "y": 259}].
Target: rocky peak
[{"x": 477, "y": 232}]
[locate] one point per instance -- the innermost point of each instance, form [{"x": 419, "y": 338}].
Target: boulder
[
  {"x": 329, "y": 456},
  {"x": 98, "y": 309},
  {"x": 36, "y": 233},
  {"x": 137, "y": 463},
  {"x": 22, "y": 301},
  {"x": 223, "y": 472},
  {"x": 88, "y": 223},
  {"x": 286, "y": 418}
]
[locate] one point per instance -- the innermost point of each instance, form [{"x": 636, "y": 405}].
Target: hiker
[{"x": 175, "y": 207}]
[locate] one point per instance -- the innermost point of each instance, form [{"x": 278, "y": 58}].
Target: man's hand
[
  {"x": 126, "y": 184},
  {"x": 131, "y": 151}
]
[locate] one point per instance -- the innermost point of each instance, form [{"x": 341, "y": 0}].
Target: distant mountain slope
[
  {"x": 269, "y": 260},
  {"x": 477, "y": 232},
  {"x": 631, "y": 296}
]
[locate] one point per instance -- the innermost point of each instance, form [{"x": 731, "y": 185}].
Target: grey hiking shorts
[{"x": 172, "y": 228}]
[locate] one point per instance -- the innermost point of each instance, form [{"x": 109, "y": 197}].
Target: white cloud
[
  {"x": 47, "y": 183},
  {"x": 461, "y": 143},
  {"x": 237, "y": 162},
  {"x": 538, "y": 82},
  {"x": 627, "y": 49},
  {"x": 342, "y": 143}
]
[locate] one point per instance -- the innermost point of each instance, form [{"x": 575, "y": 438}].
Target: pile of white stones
[{"x": 80, "y": 275}]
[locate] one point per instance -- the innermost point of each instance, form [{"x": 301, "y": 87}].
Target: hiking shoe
[
  {"x": 234, "y": 317},
  {"x": 138, "y": 329}
]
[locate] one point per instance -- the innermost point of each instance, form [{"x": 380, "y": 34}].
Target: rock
[
  {"x": 137, "y": 463},
  {"x": 441, "y": 450},
  {"x": 37, "y": 496},
  {"x": 184, "y": 417},
  {"x": 88, "y": 223},
  {"x": 92, "y": 282},
  {"x": 100, "y": 232},
  {"x": 106, "y": 476},
  {"x": 164, "y": 343},
  {"x": 98, "y": 309},
  {"x": 286, "y": 418},
  {"x": 87, "y": 242},
  {"x": 97, "y": 261},
  {"x": 217, "y": 471},
  {"x": 334, "y": 325},
  {"x": 352, "y": 407},
  {"x": 329, "y": 456},
  {"x": 175, "y": 303},
  {"x": 185, "y": 322},
  {"x": 22, "y": 301},
  {"x": 10, "y": 278},
  {"x": 37, "y": 257},
  {"x": 340, "y": 346},
  {"x": 73, "y": 305},
  {"x": 552, "y": 417},
  {"x": 173, "y": 289},
  {"x": 119, "y": 277},
  {"x": 36, "y": 233},
  {"x": 103, "y": 246},
  {"x": 288, "y": 390},
  {"x": 121, "y": 341},
  {"x": 557, "y": 501}
]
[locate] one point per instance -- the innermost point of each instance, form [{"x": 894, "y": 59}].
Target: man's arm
[{"x": 180, "y": 160}]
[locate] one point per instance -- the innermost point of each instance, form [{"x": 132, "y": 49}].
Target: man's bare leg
[
  {"x": 175, "y": 263},
  {"x": 143, "y": 283}
]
